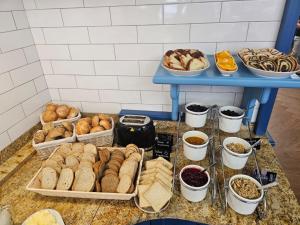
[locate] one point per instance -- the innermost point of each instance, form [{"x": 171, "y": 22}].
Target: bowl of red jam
[{"x": 194, "y": 183}]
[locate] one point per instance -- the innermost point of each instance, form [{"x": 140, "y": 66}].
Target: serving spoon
[{"x": 208, "y": 167}]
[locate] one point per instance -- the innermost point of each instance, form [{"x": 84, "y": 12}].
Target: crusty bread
[
  {"x": 65, "y": 179},
  {"x": 128, "y": 167},
  {"x": 49, "y": 178},
  {"x": 53, "y": 164},
  {"x": 84, "y": 180},
  {"x": 142, "y": 201},
  {"x": 157, "y": 196},
  {"x": 124, "y": 184},
  {"x": 90, "y": 148},
  {"x": 72, "y": 162}
]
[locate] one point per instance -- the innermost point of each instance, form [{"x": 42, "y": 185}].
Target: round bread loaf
[{"x": 49, "y": 116}]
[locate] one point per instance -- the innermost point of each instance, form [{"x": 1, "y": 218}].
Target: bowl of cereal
[
  {"x": 235, "y": 152},
  {"x": 244, "y": 194}
]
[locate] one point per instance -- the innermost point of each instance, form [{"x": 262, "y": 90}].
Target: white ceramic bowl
[
  {"x": 195, "y": 152},
  {"x": 230, "y": 124},
  {"x": 269, "y": 74},
  {"x": 232, "y": 159},
  {"x": 53, "y": 212},
  {"x": 195, "y": 119},
  {"x": 186, "y": 73},
  {"x": 238, "y": 203},
  {"x": 190, "y": 193}
]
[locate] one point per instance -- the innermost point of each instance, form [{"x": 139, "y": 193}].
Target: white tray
[{"x": 89, "y": 195}]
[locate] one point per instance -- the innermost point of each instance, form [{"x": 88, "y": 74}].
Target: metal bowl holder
[{"x": 223, "y": 188}]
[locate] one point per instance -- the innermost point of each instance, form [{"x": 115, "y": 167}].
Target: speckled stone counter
[{"x": 283, "y": 207}]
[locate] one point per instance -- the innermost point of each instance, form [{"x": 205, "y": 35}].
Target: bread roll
[
  {"x": 106, "y": 124},
  {"x": 103, "y": 116},
  {"x": 39, "y": 137},
  {"x": 72, "y": 113},
  {"x": 51, "y": 107},
  {"x": 68, "y": 126},
  {"x": 68, "y": 134},
  {"x": 48, "y": 126},
  {"x": 97, "y": 129},
  {"x": 56, "y": 132},
  {"x": 95, "y": 121},
  {"x": 87, "y": 119},
  {"x": 62, "y": 111},
  {"x": 82, "y": 127},
  {"x": 49, "y": 116}
]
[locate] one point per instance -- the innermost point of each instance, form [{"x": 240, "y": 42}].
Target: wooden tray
[{"x": 89, "y": 195}]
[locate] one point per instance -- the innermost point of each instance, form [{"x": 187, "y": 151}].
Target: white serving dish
[
  {"x": 230, "y": 124},
  {"x": 239, "y": 204},
  {"x": 186, "y": 73},
  {"x": 53, "y": 212},
  {"x": 195, "y": 152},
  {"x": 269, "y": 74},
  {"x": 225, "y": 73},
  {"x": 57, "y": 122},
  {"x": 88, "y": 195},
  {"x": 232, "y": 159},
  {"x": 195, "y": 119},
  {"x": 190, "y": 193}
]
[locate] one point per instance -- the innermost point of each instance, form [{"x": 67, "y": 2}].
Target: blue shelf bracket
[
  {"x": 249, "y": 99},
  {"x": 175, "y": 101}
]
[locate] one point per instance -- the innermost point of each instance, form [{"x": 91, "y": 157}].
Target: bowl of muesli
[{"x": 244, "y": 194}]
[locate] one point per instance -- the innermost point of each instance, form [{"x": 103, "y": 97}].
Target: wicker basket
[
  {"x": 45, "y": 149},
  {"x": 58, "y": 122},
  {"x": 102, "y": 138}
]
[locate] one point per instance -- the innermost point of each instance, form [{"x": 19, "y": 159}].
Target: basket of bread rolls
[
  {"x": 57, "y": 114},
  {"x": 46, "y": 140},
  {"x": 97, "y": 130},
  {"x": 82, "y": 170}
]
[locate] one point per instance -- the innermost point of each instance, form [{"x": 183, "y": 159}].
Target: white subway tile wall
[
  {"x": 100, "y": 55},
  {"x": 23, "y": 88}
]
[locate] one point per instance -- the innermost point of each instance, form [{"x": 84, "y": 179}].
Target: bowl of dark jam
[
  {"x": 230, "y": 118},
  {"x": 195, "y": 114},
  {"x": 194, "y": 183}
]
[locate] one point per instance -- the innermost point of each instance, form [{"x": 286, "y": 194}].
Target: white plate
[
  {"x": 53, "y": 212},
  {"x": 186, "y": 73},
  {"x": 268, "y": 74},
  {"x": 225, "y": 72}
]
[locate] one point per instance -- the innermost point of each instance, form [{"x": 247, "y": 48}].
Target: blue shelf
[{"x": 242, "y": 78}]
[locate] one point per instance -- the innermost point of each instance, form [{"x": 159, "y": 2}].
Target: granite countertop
[{"x": 283, "y": 207}]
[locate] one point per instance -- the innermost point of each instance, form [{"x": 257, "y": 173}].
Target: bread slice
[
  {"x": 157, "y": 164},
  {"x": 157, "y": 196},
  {"x": 65, "y": 179},
  {"x": 164, "y": 175},
  {"x": 166, "y": 163},
  {"x": 142, "y": 201},
  {"x": 124, "y": 184},
  {"x": 91, "y": 149},
  {"x": 49, "y": 178},
  {"x": 151, "y": 180},
  {"x": 158, "y": 170},
  {"x": 128, "y": 167},
  {"x": 158, "y": 176},
  {"x": 84, "y": 180},
  {"x": 53, "y": 164}
]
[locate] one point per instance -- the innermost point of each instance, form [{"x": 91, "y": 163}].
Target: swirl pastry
[{"x": 269, "y": 59}]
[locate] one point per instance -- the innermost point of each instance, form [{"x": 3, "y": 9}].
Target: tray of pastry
[
  {"x": 80, "y": 170},
  {"x": 185, "y": 62}
]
